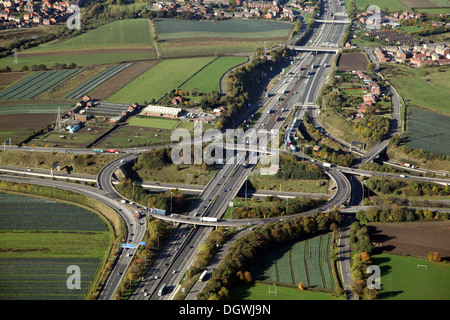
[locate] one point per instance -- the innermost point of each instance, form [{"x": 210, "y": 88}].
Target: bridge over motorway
[
  {"x": 315, "y": 49},
  {"x": 334, "y": 21}
]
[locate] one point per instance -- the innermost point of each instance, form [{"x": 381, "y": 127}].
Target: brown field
[
  {"x": 9, "y": 78},
  {"x": 412, "y": 238},
  {"x": 19, "y": 126},
  {"x": 120, "y": 80},
  {"x": 352, "y": 61}
]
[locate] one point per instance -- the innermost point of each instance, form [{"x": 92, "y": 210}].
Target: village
[{"x": 27, "y": 14}]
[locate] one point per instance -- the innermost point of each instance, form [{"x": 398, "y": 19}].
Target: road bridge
[{"x": 315, "y": 49}]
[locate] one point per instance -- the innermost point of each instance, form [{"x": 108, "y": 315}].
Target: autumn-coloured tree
[
  {"x": 434, "y": 257},
  {"x": 302, "y": 286},
  {"x": 365, "y": 258}
]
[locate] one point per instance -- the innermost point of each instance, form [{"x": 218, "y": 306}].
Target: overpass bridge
[
  {"x": 334, "y": 21},
  {"x": 315, "y": 49}
]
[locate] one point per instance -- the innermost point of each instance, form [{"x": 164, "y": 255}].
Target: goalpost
[{"x": 274, "y": 291}]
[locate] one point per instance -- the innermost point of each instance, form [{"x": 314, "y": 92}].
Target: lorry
[
  {"x": 327, "y": 164},
  {"x": 208, "y": 219},
  {"x": 162, "y": 290},
  {"x": 112, "y": 151},
  {"x": 98, "y": 150}
]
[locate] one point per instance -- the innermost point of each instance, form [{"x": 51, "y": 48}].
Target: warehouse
[{"x": 161, "y": 111}]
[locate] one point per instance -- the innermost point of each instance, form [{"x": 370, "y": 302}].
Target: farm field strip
[
  {"x": 96, "y": 81},
  {"x": 326, "y": 271},
  {"x": 298, "y": 257},
  {"x": 34, "y": 108},
  {"x": 37, "y": 83},
  {"x": 313, "y": 261},
  {"x": 284, "y": 267}
]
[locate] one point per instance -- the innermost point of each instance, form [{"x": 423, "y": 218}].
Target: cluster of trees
[
  {"x": 155, "y": 159},
  {"x": 173, "y": 198},
  {"x": 243, "y": 82},
  {"x": 359, "y": 239},
  {"x": 292, "y": 168},
  {"x": 372, "y": 126},
  {"x": 245, "y": 251},
  {"x": 396, "y": 213},
  {"x": 412, "y": 189},
  {"x": 277, "y": 208}
]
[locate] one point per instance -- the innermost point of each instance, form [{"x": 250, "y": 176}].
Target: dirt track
[{"x": 413, "y": 238}]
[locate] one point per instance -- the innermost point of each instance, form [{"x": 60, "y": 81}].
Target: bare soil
[
  {"x": 108, "y": 88},
  {"x": 412, "y": 238},
  {"x": 352, "y": 61},
  {"x": 9, "y": 78}
]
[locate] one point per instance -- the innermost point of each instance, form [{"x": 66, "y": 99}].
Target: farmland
[
  {"x": 393, "y": 5},
  {"x": 306, "y": 261},
  {"x": 183, "y": 38},
  {"x": 428, "y": 131},
  {"x": 352, "y": 61},
  {"x": 40, "y": 243},
  {"x": 19, "y": 126},
  {"x": 121, "y": 34},
  {"x": 37, "y": 83},
  {"x": 207, "y": 79},
  {"x": 157, "y": 81},
  {"x": 94, "y": 82}
]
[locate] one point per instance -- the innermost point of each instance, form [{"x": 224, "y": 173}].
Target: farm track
[{"x": 96, "y": 81}]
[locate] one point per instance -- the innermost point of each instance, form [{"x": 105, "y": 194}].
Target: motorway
[{"x": 294, "y": 94}]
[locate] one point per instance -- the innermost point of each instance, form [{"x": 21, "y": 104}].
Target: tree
[
  {"x": 434, "y": 256},
  {"x": 302, "y": 286}
]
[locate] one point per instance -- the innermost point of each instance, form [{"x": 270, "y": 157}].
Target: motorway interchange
[{"x": 294, "y": 93}]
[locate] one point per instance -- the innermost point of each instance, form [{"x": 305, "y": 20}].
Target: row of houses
[
  {"x": 370, "y": 98},
  {"x": 419, "y": 55},
  {"x": 211, "y": 9},
  {"x": 26, "y": 13}
]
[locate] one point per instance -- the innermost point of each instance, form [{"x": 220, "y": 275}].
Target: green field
[
  {"x": 427, "y": 88},
  {"x": 153, "y": 122},
  {"x": 404, "y": 278},
  {"x": 392, "y": 5},
  {"x": 260, "y": 291},
  {"x": 39, "y": 240},
  {"x": 429, "y": 131},
  {"x": 120, "y": 34},
  {"x": 157, "y": 81},
  {"x": 207, "y": 79},
  {"x": 250, "y": 29},
  {"x": 184, "y": 38}
]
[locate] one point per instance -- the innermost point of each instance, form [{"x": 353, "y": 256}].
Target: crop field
[
  {"x": 120, "y": 34},
  {"x": 33, "y": 108},
  {"x": 429, "y": 131},
  {"x": 94, "y": 82},
  {"x": 19, "y": 126},
  {"x": 183, "y": 38},
  {"x": 207, "y": 79},
  {"x": 248, "y": 29},
  {"x": 306, "y": 261},
  {"x": 157, "y": 81},
  {"x": 37, "y": 83},
  {"x": 153, "y": 122},
  {"x": 39, "y": 240}
]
